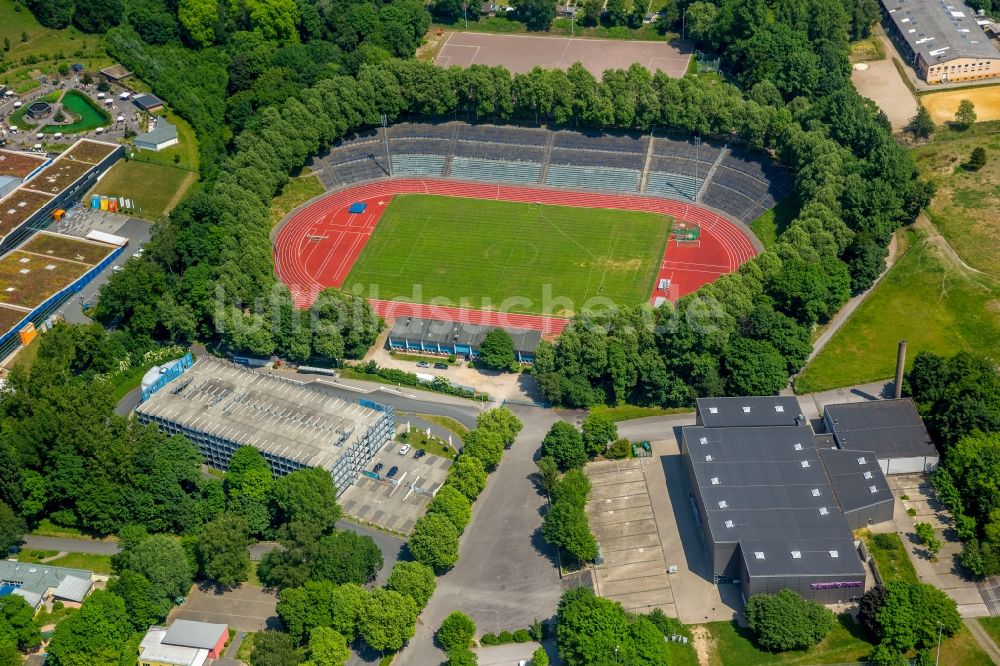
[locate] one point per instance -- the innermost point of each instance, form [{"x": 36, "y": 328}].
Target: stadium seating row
[{"x": 741, "y": 184}]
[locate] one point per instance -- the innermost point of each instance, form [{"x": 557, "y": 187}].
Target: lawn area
[
  {"x": 183, "y": 155},
  {"x": 732, "y": 644},
  {"x": 50, "y": 529},
  {"x": 87, "y": 115},
  {"x": 771, "y": 224},
  {"x": 926, "y": 299},
  {"x": 513, "y": 257},
  {"x": 992, "y": 627},
  {"x": 45, "y": 47},
  {"x": 890, "y": 556},
  {"x": 246, "y": 647},
  {"x": 628, "y": 412},
  {"x": 963, "y": 650},
  {"x": 416, "y": 358},
  {"x": 296, "y": 192},
  {"x": 964, "y": 207},
  {"x": 100, "y": 564},
  {"x": 418, "y": 439},
  {"x": 153, "y": 188}
]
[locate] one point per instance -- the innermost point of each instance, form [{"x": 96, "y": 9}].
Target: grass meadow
[{"x": 498, "y": 255}]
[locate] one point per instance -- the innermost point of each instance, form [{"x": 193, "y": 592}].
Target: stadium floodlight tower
[{"x": 385, "y": 135}]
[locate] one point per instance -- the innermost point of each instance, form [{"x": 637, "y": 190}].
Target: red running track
[{"x": 318, "y": 246}]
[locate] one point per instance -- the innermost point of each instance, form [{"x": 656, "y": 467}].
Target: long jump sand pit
[
  {"x": 520, "y": 53},
  {"x": 943, "y": 105}
]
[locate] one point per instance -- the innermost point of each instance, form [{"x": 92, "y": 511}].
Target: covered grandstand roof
[
  {"x": 276, "y": 416},
  {"x": 435, "y": 331},
  {"x": 940, "y": 31}
]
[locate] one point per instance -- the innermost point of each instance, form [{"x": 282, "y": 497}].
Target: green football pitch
[{"x": 510, "y": 257}]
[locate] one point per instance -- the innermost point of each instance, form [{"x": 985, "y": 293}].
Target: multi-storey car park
[
  {"x": 221, "y": 407},
  {"x": 775, "y": 503}
]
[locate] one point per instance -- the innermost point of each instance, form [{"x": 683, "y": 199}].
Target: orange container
[{"x": 27, "y": 334}]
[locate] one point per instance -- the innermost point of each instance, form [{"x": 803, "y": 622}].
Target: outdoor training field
[
  {"x": 500, "y": 255},
  {"x": 943, "y": 105}
]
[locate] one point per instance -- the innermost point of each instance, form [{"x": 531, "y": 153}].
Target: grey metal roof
[
  {"x": 38, "y": 578},
  {"x": 940, "y": 30},
  {"x": 34, "y": 599},
  {"x": 8, "y": 184},
  {"x": 792, "y": 557},
  {"x": 73, "y": 588},
  {"x": 778, "y": 410},
  {"x": 188, "y": 633},
  {"x": 147, "y": 101},
  {"x": 890, "y": 428},
  {"x": 435, "y": 331},
  {"x": 276, "y": 416},
  {"x": 162, "y": 133},
  {"x": 853, "y": 475}
]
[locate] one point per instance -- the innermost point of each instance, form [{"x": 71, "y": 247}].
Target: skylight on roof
[
  {"x": 730, "y": 523},
  {"x": 796, "y": 554},
  {"x": 703, "y": 440},
  {"x": 746, "y": 410},
  {"x": 758, "y": 555},
  {"x": 861, "y": 460},
  {"x": 804, "y": 463},
  {"x": 779, "y": 408},
  {"x": 723, "y": 504},
  {"x": 834, "y": 553},
  {"x": 823, "y": 511},
  {"x": 713, "y": 410},
  {"x": 797, "y": 446},
  {"x": 815, "y": 492},
  {"x": 867, "y": 475},
  {"x": 715, "y": 480},
  {"x": 873, "y": 489},
  {"x": 708, "y": 458}
]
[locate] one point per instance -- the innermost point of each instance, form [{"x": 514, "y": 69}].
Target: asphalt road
[
  {"x": 506, "y": 576},
  {"x": 71, "y": 545}
]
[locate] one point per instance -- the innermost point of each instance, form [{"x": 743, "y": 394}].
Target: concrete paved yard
[
  {"x": 621, "y": 518},
  {"x": 243, "y": 609},
  {"x": 393, "y": 504}
]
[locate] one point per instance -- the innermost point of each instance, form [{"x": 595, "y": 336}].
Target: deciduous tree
[
  {"x": 786, "y": 621},
  {"x": 434, "y": 542},
  {"x": 414, "y": 580},
  {"x": 456, "y": 631},
  {"x": 565, "y": 444},
  {"x": 387, "y": 620}
]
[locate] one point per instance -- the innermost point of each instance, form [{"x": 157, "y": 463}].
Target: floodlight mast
[{"x": 385, "y": 135}]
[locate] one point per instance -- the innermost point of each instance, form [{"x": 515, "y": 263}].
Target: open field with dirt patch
[
  {"x": 91, "y": 152},
  {"x": 153, "y": 188},
  {"x": 943, "y": 105},
  {"x": 965, "y": 206},
  {"x": 63, "y": 247}
]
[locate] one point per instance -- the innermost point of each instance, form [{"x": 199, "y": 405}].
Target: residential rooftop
[{"x": 38, "y": 578}]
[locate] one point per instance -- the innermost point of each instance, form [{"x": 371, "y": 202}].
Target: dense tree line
[
  {"x": 593, "y": 630},
  {"x": 903, "y": 617}
]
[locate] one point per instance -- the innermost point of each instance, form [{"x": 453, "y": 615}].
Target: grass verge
[
  {"x": 183, "y": 155},
  {"x": 992, "y": 626},
  {"x": 445, "y": 422},
  {"x": 419, "y": 440},
  {"x": 925, "y": 299},
  {"x": 561, "y": 27},
  {"x": 889, "y": 554},
  {"x": 246, "y": 647},
  {"x": 962, "y": 649},
  {"x": 733, "y": 644},
  {"x": 296, "y": 192},
  {"x": 49, "y": 529},
  {"x": 628, "y": 412}
]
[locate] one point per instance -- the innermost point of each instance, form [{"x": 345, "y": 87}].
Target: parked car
[
  {"x": 378, "y": 467},
  {"x": 406, "y": 449},
  {"x": 419, "y": 454},
  {"x": 392, "y": 472},
  {"x": 440, "y": 366},
  {"x": 423, "y": 364}
]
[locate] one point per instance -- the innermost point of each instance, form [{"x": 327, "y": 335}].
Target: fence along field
[{"x": 498, "y": 254}]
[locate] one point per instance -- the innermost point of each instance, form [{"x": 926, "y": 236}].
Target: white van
[
  {"x": 17, "y": 105},
  {"x": 58, "y": 135},
  {"x": 99, "y": 130},
  {"x": 100, "y": 95},
  {"x": 39, "y": 136},
  {"x": 124, "y": 95}
]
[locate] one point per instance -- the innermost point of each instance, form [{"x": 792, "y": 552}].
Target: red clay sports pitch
[{"x": 317, "y": 247}]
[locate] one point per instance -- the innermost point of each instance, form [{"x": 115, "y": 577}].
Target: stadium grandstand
[
  {"x": 221, "y": 406},
  {"x": 462, "y": 339},
  {"x": 735, "y": 183}
]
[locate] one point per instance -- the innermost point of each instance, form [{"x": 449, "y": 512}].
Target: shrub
[
  {"x": 505, "y": 637},
  {"x": 488, "y": 639},
  {"x": 786, "y": 621},
  {"x": 539, "y": 657},
  {"x": 621, "y": 448},
  {"x": 521, "y": 636}
]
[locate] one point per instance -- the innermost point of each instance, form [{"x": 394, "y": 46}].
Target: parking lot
[
  {"x": 620, "y": 512},
  {"x": 394, "y": 504},
  {"x": 244, "y": 609}
]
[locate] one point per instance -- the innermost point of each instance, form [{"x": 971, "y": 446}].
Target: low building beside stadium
[
  {"x": 891, "y": 428},
  {"x": 435, "y": 336},
  {"x": 776, "y": 504},
  {"x": 221, "y": 406}
]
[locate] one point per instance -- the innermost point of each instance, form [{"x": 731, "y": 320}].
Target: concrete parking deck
[{"x": 621, "y": 517}]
